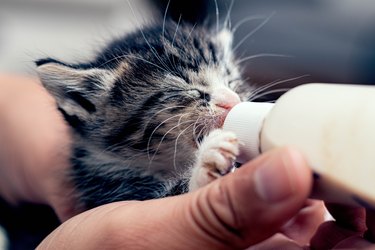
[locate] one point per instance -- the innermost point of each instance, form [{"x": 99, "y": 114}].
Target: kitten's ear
[
  {"x": 77, "y": 91},
  {"x": 225, "y": 39}
]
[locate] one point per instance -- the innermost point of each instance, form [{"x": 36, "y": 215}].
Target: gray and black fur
[{"x": 139, "y": 109}]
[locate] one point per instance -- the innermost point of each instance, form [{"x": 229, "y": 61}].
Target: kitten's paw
[
  {"x": 215, "y": 158},
  {"x": 218, "y": 151}
]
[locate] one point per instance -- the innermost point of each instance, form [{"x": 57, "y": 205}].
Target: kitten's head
[{"x": 152, "y": 93}]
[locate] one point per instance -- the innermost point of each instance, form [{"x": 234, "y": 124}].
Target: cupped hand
[{"x": 233, "y": 212}]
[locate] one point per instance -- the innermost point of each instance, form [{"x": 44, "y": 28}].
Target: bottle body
[{"x": 334, "y": 128}]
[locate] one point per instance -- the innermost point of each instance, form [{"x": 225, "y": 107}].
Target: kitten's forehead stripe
[
  {"x": 200, "y": 50},
  {"x": 174, "y": 52},
  {"x": 153, "y": 99},
  {"x": 123, "y": 133},
  {"x": 213, "y": 52}
]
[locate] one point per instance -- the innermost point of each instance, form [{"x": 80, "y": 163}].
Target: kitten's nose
[{"x": 225, "y": 98}]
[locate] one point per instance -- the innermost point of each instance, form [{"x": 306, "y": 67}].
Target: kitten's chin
[
  {"x": 222, "y": 114},
  {"x": 215, "y": 122}
]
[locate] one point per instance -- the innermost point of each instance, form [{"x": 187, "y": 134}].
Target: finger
[
  {"x": 353, "y": 218},
  {"x": 329, "y": 234},
  {"x": 303, "y": 226},
  {"x": 278, "y": 241},
  {"x": 252, "y": 203},
  {"x": 354, "y": 242},
  {"x": 370, "y": 222}
]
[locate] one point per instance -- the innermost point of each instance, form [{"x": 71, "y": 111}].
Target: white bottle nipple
[{"x": 246, "y": 121}]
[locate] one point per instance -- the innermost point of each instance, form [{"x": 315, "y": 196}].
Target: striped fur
[{"x": 140, "y": 108}]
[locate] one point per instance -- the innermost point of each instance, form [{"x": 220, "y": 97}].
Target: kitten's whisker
[
  {"x": 261, "y": 55},
  {"x": 179, "y": 120},
  {"x": 269, "y": 92},
  {"x": 175, "y": 32},
  {"x": 175, "y": 145},
  {"x": 152, "y": 49},
  {"x": 240, "y": 83},
  {"x": 266, "y": 86},
  {"x": 195, "y": 128},
  {"x": 237, "y": 86},
  {"x": 156, "y": 128},
  {"x": 245, "y": 20},
  {"x": 277, "y": 82},
  {"x": 210, "y": 110},
  {"x": 227, "y": 21},
  {"x": 161, "y": 111},
  {"x": 191, "y": 31},
  {"x": 132, "y": 56},
  {"x": 245, "y": 80},
  {"x": 253, "y": 32},
  {"x": 165, "y": 17},
  {"x": 217, "y": 16},
  {"x": 174, "y": 37},
  {"x": 179, "y": 95},
  {"x": 198, "y": 136},
  {"x": 162, "y": 139},
  {"x": 272, "y": 84}
]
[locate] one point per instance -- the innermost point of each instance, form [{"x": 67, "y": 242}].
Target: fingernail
[{"x": 274, "y": 177}]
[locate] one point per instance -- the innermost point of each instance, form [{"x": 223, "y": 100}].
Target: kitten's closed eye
[{"x": 198, "y": 94}]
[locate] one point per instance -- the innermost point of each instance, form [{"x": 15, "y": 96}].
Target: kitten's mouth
[
  {"x": 221, "y": 117},
  {"x": 215, "y": 122}
]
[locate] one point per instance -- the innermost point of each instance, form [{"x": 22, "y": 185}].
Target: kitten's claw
[{"x": 216, "y": 155}]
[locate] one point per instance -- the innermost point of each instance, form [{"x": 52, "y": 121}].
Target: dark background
[{"x": 331, "y": 41}]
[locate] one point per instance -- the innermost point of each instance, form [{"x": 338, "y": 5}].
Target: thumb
[{"x": 249, "y": 205}]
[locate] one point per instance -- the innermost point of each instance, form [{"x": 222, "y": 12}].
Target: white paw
[
  {"x": 217, "y": 152},
  {"x": 215, "y": 158}
]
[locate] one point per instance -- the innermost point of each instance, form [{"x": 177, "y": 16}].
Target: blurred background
[
  {"x": 321, "y": 40},
  {"x": 330, "y": 41},
  {"x": 67, "y": 29}
]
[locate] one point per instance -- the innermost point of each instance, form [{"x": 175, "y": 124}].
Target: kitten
[{"x": 147, "y": 111}]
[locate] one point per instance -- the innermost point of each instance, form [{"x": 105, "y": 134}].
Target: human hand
[
  {"x": 233, "y": 212},
  {"x": 353, "y": 228},
  {"x": 34, "y": 148}
]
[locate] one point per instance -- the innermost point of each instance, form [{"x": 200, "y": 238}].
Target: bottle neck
[{"x": 246, "y": 121}]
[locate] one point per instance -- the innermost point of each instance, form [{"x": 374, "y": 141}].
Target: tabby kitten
[{"x": 147, "y": 111}]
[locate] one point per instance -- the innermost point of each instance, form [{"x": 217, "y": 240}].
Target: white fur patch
[
  {"x": 225, "y": 38},
  {"x": 213, "y": 76}
]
